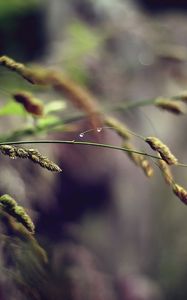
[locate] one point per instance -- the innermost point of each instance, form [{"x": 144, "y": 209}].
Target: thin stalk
[
  {"x": 72, "y": 142},
  {"x": 130, "y": 105},
  {"x": 76, "y": 117},
  {"x": 125, "y": 105}
]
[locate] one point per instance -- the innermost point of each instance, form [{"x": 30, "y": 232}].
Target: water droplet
[
  {"x": 99, "y": 129},
  {"x": 81, "y": 135}
]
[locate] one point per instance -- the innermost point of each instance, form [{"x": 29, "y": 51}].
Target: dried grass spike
[
  {"x": 36, "y": 159},
  {"x": 119, "y": 127},
  {"x": 162, "y": 149},
  {"x": 50, "y": 165},
  {"x": 33, "y": 152},
  {"x": 21, "y": 216},
  {"x": 146, "y": 166},
  {"x": 172, "y": 106},
  {"x": 10, "y": 206},
  {"x": 78, "y": 95},
  {"x": 34, "y": 76},
  {"x": 31, "y": 105},
  {"x": 139, "y": 160},
  {"x": 19, "y": 231},
  {"x": 21, "y": 153},
  {"x": 180, "y": 192},
  {"x": 8, "y": 202},
  {"x": 11, "y": 64},
  {"x": 43, "y": 161},
  {"x": 8, "y": 150},
  {"x": 31, "y": 76},
  {"x": 166, "y": 172},
  {"x": 182, "y": 96}
]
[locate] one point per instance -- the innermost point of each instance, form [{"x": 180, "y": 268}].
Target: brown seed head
[
  {"x": 23, "y": 234},
  {"x": 182, "y": 96},
  {"x": 146, "y": 166},
  {"x": 78, "y": 95},
  {"x": 32, "y": 154},
  {"x": 170, "y": 105},
  {"x": 11, "y": 207},
  {"x": 8, "y": 202},
  {"x": 11, "y": 64},
  {"x": 162, "y": 149},
  {"x": 8, "y": 150},
  {"x": 36, "y": 159},
  {"x": 166, "y": 172},
  {"x": 21, "y": 153},
  {"x": 119, "y": 127},
  {"x": 139, "y": 160},
  {"x": 48, "y": 164},
  {"x": 21, "y": 216},
  {"x": 43, "y": 161},
  {"x": 30, "y": 104},
  {"x": 180, "y": 192},
  {"x": 32, "y": 76}
]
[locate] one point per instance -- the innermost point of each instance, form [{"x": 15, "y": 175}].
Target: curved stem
[
  {"x": 131, "y": 104},
  {"x": 78, "y": 143},
  {"x": 76, "y": 117}
]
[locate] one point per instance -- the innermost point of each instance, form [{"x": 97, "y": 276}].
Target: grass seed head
[
  {"x": 8, "y": 202},
  {"x": 32, "y": 76},
  {"x": 43, "y": 161},
  {"x": 170, "y": 105},
  {"x": 21, "y": 216},
  {"x": 182, "y": 97},
  {"x": 10, "y": 206},
  {"x": 119, "y": 127},
  {"x": 11, "y": 64},
  {"x": 31, "y": 105},
  {"x": 31, "y": 154},
  {"x": 139, "y": 160},
  {"x": 180, "y": 192},
  {"x": 79, "y": 96},
  {"x": 162, "y": 149},
  {"x": 166, "y": 172},
  {"x": 21, "y": 153},
  {"x": 8, "y": 150}
]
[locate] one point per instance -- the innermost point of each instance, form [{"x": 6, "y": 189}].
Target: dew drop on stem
[{"x": 99, "y": 129}]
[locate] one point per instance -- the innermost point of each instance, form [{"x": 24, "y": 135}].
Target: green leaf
[
  {"x": 12, "y": 108},
  {"x": 54, "y": 106},
  {"x": 47, "y": 122}
]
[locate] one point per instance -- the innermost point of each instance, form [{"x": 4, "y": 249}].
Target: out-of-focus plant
[
  {"x": 19, "y": 228},
  {"x": 12, "y": 6}
]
